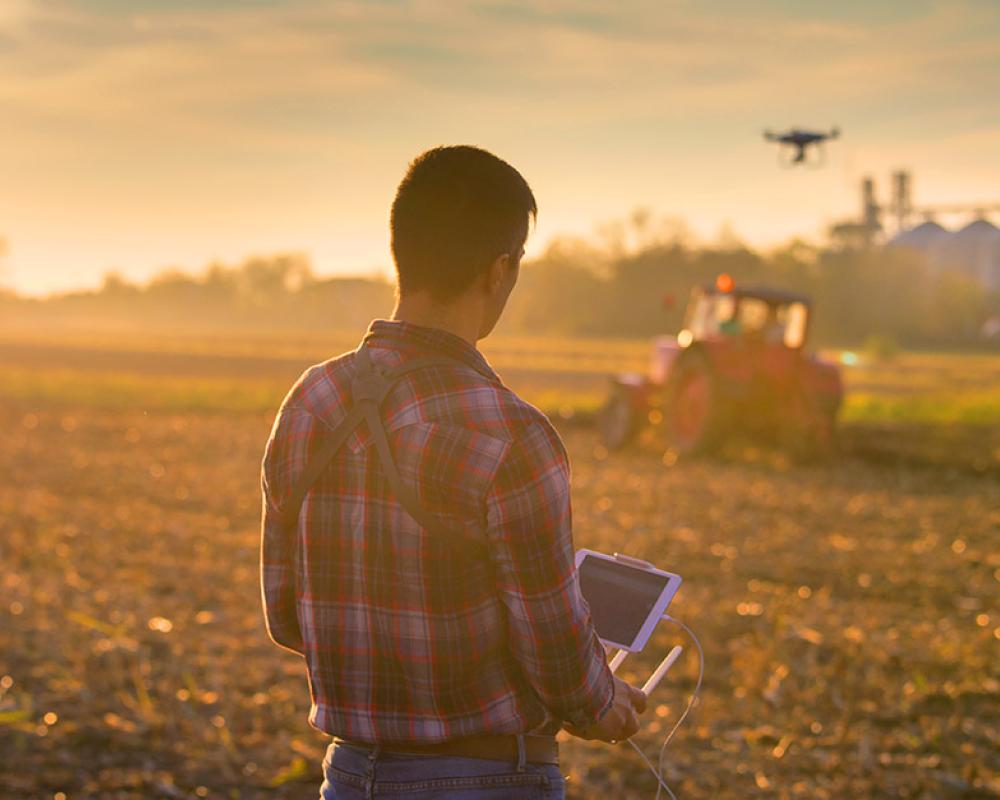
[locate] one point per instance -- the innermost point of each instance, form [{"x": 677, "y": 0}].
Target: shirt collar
[{"x": 420, "y": 339}]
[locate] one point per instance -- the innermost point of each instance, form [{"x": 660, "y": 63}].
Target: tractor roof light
[{"x": 725, "y": 282}]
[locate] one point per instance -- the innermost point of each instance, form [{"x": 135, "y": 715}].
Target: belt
[{"x": 537, "y": 749}]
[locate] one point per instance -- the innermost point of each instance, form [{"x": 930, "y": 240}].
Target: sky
[{"x": 138, "y": 135}]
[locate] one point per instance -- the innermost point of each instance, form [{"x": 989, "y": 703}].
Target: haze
[{"x": 139, "y": 134}]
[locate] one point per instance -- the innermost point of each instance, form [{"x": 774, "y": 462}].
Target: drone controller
[{"x": 627, "y": 597}]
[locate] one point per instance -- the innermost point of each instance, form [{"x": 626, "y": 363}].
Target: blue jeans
[{"x": 352, "y": 773}]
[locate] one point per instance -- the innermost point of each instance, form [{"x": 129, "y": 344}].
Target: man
[{"x": 422, "y": 561}]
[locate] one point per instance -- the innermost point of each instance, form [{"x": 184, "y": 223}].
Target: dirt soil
[{"x": 850, "y": 615}]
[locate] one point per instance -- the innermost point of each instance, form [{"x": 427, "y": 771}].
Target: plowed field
[{"x": 850, "y": 612}]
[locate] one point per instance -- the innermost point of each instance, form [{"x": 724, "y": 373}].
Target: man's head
[{"x": 459, "y": 222}]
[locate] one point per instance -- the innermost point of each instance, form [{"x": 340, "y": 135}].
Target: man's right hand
[{"x": 621, "y": 720}]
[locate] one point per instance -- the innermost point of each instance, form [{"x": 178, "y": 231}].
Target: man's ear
[{"x": 496, "y": 273}]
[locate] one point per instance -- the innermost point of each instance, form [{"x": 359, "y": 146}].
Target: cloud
[
  {"x": 177, "y": 74},
  {"x": 260, "y": 68}
]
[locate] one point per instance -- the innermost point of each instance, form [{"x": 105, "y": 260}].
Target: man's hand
[{"x": 621, "y": 720}]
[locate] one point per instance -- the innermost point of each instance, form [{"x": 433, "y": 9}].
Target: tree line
[
  {"x": 579, "y": 287},
  {"x": 631, "y": 281}
]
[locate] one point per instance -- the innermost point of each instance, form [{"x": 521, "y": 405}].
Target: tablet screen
[{"x": 620, "y": 597}]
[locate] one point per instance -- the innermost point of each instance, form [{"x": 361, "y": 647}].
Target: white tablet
[{"x": 627, "y": 597}]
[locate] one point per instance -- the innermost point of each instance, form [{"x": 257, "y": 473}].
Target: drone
[{"x": 801, "y": 140}]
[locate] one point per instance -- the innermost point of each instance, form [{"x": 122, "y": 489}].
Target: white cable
[
  {"x": 663, "y": 783},
  {"x": 658, "y": 770}
]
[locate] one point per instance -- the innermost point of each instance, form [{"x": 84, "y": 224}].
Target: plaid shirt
[{"x": 407, "y": 637}]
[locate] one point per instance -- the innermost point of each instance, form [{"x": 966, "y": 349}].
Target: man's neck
[{"x": 460, "y": 318}]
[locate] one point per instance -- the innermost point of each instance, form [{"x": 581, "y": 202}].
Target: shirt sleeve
[
  {"x": 278, "y": 540},
  {"x": 551, "y": 633}
]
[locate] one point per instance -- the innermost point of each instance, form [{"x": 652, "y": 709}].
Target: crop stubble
[{"x": 849, "y": 614}]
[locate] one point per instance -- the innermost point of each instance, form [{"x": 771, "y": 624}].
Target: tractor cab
[{"x": 723, "y": 312}]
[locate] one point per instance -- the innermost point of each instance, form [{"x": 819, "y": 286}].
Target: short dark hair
[{"x": 456, "y": 211}]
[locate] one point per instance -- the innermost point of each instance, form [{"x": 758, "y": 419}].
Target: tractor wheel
[
  {"x": 693, "y": 412},
  {"x": 618, "y": 421}
]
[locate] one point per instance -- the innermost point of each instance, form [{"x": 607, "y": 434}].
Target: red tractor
[{"x": 737, "y": 366}]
